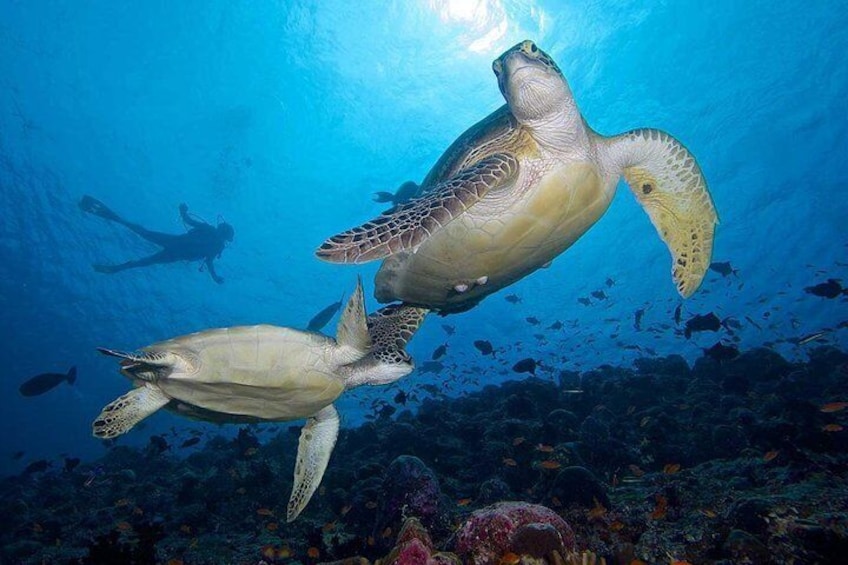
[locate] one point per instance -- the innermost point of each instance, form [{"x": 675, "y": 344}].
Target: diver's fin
[
  {"x": 120, "y": 415},
  {"x": 317, "y": 440},
  {"x": 96, "y": 207}
]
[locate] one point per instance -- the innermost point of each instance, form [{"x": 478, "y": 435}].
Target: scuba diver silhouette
[{"x": 201, "y": 241}]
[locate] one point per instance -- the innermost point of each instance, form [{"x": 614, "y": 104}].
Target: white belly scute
[
  {"x": 505, "y": 236},
  {"x": 258, "y": 371}
]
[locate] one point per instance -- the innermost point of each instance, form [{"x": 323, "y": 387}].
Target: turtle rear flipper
[
  {"x": 317, "y": 440},
  {"x": 668, "y": 183},
  {"x": 120, "y": 415},
  {"x": 411, "y": 223}
]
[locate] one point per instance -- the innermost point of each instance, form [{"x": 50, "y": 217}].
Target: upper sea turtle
[
  {"x": 521, "y": 186},
  {"x": 267, "y": 373}
]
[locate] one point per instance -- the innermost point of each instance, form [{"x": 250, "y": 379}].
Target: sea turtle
[
  {"x": 520, "y": 187},
  {"x": 267, "y": 373}
]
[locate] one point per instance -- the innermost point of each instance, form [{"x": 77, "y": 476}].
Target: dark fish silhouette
[
  {"x": 512, "y": 298},
  {"x": 321, "y": 318},
  {"x": 610, "y": 282},
  {"x": 44, "y": 382},
  {"x": 555, "y": 326},
  {"x": 17, "y": 455},
  {"x": 158, "y": 444},
  {"x": 431, "y": 367},
  {"x": 584, "y": 301},
  {"x": 724, "y": 268},
  {"x": 721, "y": 352},
  {"x": 401, "y": 398},
  {"x": 830, "y": 289},
  {"x": 404, "y": 193},
  {"x": 189, "y": 442},
  {"x": 599, "y": 294},
  {"x": 532, "y": 320},
  {"x": 37, "y": 466},
  {"x": 677, "y": 313},
  {"x": 484, "y": 347},
  {"x": 448, "y": 329},
  {"x": 526, "y": 366},
  {"x": 439, "y": 352},
  {"x": 637, "y": 319},
  {"x": 698, "y": 323},
  {"x": 71, "y": 463}
]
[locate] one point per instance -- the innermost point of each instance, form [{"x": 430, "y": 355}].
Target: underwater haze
[{"x": 285, "y": 118}]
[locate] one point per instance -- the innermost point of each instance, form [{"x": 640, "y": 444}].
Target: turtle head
[{"x": 531, "y": 83}]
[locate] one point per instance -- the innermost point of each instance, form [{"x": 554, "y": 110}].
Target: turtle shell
[
  {"x": 251, "y": 372},
  {"x": 513, "y": 231}
]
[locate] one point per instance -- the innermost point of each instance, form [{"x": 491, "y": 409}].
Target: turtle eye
[{"x": 533, "y": 48}]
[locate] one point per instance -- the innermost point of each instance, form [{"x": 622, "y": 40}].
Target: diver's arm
[
  {"x": 188, "y": 220},
  {"x": 210, "y": 265}
]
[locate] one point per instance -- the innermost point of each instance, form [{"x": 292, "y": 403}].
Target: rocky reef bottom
[{"x": 742, "y": 461}]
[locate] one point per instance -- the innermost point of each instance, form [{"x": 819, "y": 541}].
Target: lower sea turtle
[
  {"x": 521, "y": 186},
  {"x": 267, "y": 373}
]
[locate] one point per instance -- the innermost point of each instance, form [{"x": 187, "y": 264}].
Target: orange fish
[
  {"x": 370, "y": 541},
  {"x": 517, "y": 441},
  {"x": 832, "y": 428},
  {"x": 387, "y": 532},
  {"x": 616, "y": 526},
  {"x": 271, "y": 526},
  {"x": 637, "y": 472},
  {"x": 283, "y": 552},
  {"x": 708, "y": 513},
  {"x": 175, "y": 562},
  {"x": 550, "y": 464},
  {"x": 509, "y": 462},
  {"x": 313, "y": 552},
  {"x": 269, "y": 551},
  {"x": 509, "y": 558},
  {"x": 123, "y": 526},
  {"x": 555, "y": 501},
  {"x": 769, "y": 455},
  {"x": 661, "y": 508},
  {"x": 833, "y": 407},
  {"x": 597, "y": 511},
  {"x": 671, "y": 468},
  {"x": 463, "y": 501},
  {"x": 328, "y": 527},
  {"x": 544, "y": 448},
  {"x": 265, "y": 512}
]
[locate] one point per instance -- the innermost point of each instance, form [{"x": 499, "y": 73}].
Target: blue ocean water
[{"x": 284, "y": 117}]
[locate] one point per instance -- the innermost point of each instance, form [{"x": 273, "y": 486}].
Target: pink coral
[
  {"x": 490, "y": 533},
  {"x": 414, "y": 547}
]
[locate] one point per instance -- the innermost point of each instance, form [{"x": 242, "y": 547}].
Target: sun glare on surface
[{"x": 485, "y": 21}]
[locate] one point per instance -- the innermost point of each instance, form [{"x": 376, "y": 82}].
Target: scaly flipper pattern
[
  {"x": 120, "y": 415},
  {"x": 411, "y": 223},
  {"x": 317, "y": 440},
  {"x": 667, "y": 182}
]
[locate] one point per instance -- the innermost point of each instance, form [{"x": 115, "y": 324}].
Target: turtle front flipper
[
  {"x": 411, "y": 223},
  {"x": 120, "y": 415},
  {"x": 317, "y": 440},
  {"x": 668, "y": 183}
]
